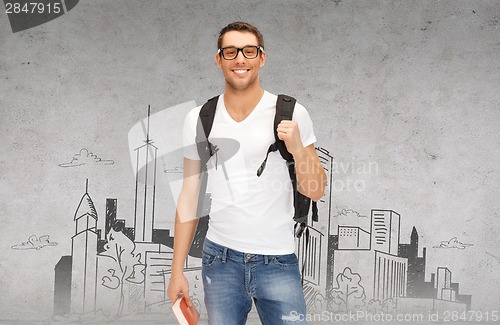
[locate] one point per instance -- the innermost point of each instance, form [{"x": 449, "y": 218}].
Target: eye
[
  {"x": 229, "y": 51},
  {"x": 250, "y": 50}
]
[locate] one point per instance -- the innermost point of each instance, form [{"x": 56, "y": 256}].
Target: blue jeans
[{"x": 231, "y": 279}]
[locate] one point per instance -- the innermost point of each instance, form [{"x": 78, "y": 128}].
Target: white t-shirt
[{"x": 248, "y": 213}]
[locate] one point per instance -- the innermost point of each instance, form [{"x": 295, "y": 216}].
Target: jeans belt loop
[
  {"x": 266, "y": 259},
  {"x": 224, "y": 255}
]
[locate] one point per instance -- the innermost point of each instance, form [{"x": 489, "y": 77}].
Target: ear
[
  {"x": 262, "y": 58},
  {"x": 218, "y": 60}
]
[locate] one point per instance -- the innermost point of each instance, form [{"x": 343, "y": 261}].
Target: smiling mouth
[{"x": 240, "y": 71}]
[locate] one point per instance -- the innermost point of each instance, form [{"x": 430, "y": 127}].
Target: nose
[{"x": 240, "y": 56}]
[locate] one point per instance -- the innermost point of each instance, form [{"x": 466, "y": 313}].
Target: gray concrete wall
[{"x": 410, "y": 87}]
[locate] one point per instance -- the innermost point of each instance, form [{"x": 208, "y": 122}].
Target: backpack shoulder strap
[
  {"x": 284, "y": 111},
  {"x": 205, "y": 150},
  {"x": 207, "y": 115},
  {"x": 203, "y": 128}
]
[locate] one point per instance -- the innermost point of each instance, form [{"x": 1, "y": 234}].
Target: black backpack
[{"x": 284, "y": 111}]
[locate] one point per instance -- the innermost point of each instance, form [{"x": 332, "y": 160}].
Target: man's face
[{"x": 240, "y": 73}]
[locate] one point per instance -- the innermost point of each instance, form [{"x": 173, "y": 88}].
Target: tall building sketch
[
  {"x": 385, "y": 231},
  {"x": 351, "y": 237},
  {"x": 145, "y": 189},
  {"x": 83, "y": 252},
  {"x": 62, "y": 286},
  {"x": 390, "y": 277},
  {"x": 417, "y": 287},
  {"x": 312, "y": 247}
]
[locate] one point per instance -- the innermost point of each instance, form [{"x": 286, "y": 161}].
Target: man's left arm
[{"x": 311, "y": 177}]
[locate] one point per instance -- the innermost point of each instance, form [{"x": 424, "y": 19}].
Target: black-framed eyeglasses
[{"x": 231, "y": 52}]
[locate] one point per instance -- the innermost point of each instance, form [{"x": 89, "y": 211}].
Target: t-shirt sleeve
[
  {"x": 189, "y": 134},
  {"x": 304, "y": 121}
]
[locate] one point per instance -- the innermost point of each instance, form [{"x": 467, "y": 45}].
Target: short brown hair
[{"x": 241, "y": 27}]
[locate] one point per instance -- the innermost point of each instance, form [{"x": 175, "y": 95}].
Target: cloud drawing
[
  {"x": 453, "y": 243},
  {"x": 350, "y": 214},
  {"x": 85, "y": 157},
  {"x": 348, "y": 217},
  {"x": 35, "y": 243}
]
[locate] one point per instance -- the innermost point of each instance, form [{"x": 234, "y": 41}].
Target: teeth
[{"x": 240, "y": 71}]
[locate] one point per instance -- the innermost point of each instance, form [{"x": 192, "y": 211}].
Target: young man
[{"x": 248, "y": 252}]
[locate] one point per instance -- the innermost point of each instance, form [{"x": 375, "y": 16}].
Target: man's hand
[
  {"x": 288, "y": 131},
  {"x": 178, "y": 286},
  {"x": 311, "y": 177}
]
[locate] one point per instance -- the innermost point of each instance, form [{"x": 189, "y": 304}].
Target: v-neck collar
[{"x": 246, "y": 119}]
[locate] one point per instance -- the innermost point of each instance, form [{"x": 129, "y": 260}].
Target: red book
[{"x": 185, "y": 315}]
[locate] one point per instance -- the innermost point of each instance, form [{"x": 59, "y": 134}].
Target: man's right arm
[{"x": 185, "y": 227}]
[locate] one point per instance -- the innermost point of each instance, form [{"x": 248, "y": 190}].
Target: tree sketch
[
  {"x": 128, "y": 264},
  {"x": 349, "y": 294},
  {"x": 374, "y": 307},
  {"x": 388, "y": 306}
]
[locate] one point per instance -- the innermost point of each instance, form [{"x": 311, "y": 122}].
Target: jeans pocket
[
  {"x": 208, "y": 260},
  {"x": 285, "y": 261}
]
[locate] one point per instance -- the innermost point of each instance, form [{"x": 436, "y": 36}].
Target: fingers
[
  {"x": 172, "y": 295},
  {"x": 188, "y": 299},
  {"x": 289, "y": 132},
  {"x": 287, "y": 129},
  {"x": 184, "y": 292},
  {"x": 180, "y": 293},
  {"x": 286, "y": 126},
  {"x": 288, "y": 123},
  {"x": 177, "y": 287}
]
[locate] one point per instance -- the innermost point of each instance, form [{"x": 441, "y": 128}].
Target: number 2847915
[{"x": 32, "y": 8}]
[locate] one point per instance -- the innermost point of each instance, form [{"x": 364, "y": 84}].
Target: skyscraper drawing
[
  {"x": 443, "y": 285},
  {"x": 312, "y": 248},
  {"x": 83, "y": 252},
  {"x": 62, "y": 286},
  {"x": 145, "y": 189},
  {"x": 390, "y": 276},
  {"x": 385, "y": 231},
  {"x": 417, "y": 287}
]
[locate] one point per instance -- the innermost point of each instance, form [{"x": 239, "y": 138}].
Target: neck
[{"x": 243, "y": 101}]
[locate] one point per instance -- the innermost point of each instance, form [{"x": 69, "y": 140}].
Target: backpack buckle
[
  {"x": 299, "y": 229},
  {"x": 212, "y": 148}
]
